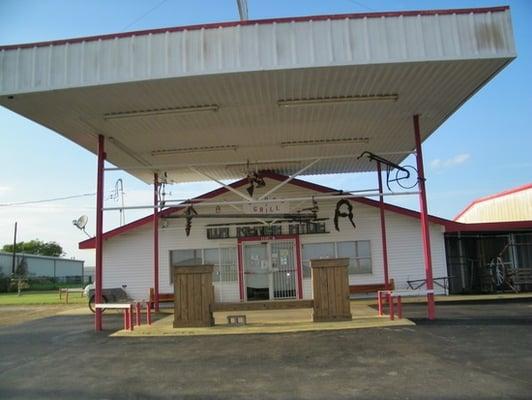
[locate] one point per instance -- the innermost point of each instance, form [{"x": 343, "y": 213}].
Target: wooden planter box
[
  {"x": 330, "y": 284},
  {"x": 194, "y": 296}
]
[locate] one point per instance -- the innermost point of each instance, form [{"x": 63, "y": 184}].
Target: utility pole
[
  {"x": 242, "y": 9},
  {"x": 14, "y": 249}
]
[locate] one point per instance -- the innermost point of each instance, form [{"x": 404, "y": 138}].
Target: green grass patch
[{"x": 39, "y": 297}]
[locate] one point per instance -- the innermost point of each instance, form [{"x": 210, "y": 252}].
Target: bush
[
  {"x": 49, "y": 283},
  {"x": 5, "y": 283},
  {"x": 40, "y": 283}
]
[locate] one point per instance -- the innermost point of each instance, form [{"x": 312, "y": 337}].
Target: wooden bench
[
  {"x": 128, "y": 309},
  {"x": 163, "y": 297},
  {"x": 393, "y": 299},
  {"x": 370, "y": 288}
]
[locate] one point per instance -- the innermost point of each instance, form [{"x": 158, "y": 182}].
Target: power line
[
  {"x": 21, "y": 203},
  {"x": 111, "y": 196},
  {"x": 145, "y": 14},
  {"x": 358, "y": 3}
]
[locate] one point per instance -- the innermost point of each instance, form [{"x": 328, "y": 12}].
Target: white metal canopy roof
[{"x": 276, "y": 93}]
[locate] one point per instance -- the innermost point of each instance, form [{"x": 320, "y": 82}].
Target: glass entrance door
[
  {"x": 283, "y": 270},
  {"x": 270, "y": 270},
  {"x": 257, "y": 268}
]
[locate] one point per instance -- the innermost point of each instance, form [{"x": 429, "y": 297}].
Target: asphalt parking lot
[{"x": 473, "y": 351}]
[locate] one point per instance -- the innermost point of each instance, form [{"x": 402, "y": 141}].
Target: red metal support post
[
  {"x": 130, "y": 317},
  {"x": 425, "y": 233},
  {"x": 399, "y": 308},
  {"x": 148, "y": 313},
  {"x": 390, "y": 305},
  {"x": 156, "y": 241},
  {"x": 137, "y": 313},
  {"x": 99, "y": 231},
  {"x": 383, "y": 229}
]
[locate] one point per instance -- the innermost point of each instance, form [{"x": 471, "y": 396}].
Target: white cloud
[{"x": 450, "y": 162}]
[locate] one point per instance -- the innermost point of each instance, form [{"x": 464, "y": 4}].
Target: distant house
[
  {"x": 496, "y": 244},
  {"x": 88, "y": 274},
  {"x": 511, "y": 205},
  {"x": 62, "y": 269}
]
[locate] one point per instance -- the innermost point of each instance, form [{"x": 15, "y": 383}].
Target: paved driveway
[{"x": 471, "y": 352}]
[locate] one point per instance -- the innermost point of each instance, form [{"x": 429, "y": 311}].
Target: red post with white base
[
  {"x": 99, "y": 232},
  {"x": 156, "y": 241},
  {"x": 425, "y": 234},
  {"x": 383, "y": 229}
]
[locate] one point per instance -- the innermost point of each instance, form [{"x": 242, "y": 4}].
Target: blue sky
[{"x": 483, "y": 148}]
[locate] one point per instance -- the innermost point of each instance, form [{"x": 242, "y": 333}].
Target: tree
[
  {"x": 36, "y": 246},
  {"x": 20, "y": 278}
]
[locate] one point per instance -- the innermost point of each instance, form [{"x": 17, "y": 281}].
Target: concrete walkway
[{"x": 268, "y": 321}]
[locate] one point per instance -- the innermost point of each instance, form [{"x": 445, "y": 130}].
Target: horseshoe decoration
[
  {"x": 338, "y": 213},
  {"x": 190, "y": 212}
]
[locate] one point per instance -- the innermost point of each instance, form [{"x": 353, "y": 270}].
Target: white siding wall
[
  {"x": 128, "y": 257},
  {"x": 405, "y": 252}
]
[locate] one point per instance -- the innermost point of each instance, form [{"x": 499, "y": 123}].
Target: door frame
[{"x": 297, "y": 248}]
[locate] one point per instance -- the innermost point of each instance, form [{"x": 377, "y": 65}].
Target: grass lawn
[{"x": 39, "y": 297}]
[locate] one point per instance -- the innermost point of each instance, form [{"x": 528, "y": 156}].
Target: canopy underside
[{"x": 222, "y": 101}]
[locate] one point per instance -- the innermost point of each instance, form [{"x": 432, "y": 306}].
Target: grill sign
[{"x": 266, "y": 208}]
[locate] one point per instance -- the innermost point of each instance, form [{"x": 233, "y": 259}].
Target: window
[
  {"x": 223, "y": 259},
  {"x": 313, "y": 251},
  {"x": 185, "y": 257},
  {"x": 358, "y": 252},
  {"x": 217, "y": 233}
]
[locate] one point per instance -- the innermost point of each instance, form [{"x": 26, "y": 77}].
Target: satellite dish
[{"x": 80, "y": 223}]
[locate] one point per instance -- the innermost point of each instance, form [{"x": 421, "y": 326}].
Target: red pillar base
[
  {"x": 98, "y": 320},
  {"x": 431, "y": 308}
]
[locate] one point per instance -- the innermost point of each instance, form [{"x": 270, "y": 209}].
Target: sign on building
[{"x": 267, "y": 208}]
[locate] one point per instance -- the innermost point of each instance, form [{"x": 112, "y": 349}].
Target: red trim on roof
[
  {"x": 494, "y": 196},
  {"x": 488, "y": 226},
  {"x": 90, "y": 243},
  {"x": 362, "y": 200},
  {"x": 217, "y": 25}
]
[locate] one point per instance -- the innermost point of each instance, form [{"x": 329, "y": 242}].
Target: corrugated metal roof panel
[
  {"x": 304, "y": 44},
  {"x": 431, "y": 62}
]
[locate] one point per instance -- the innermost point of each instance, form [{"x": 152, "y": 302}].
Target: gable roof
[
  {"x": 91, "y": 243},
  {"x": 492, "y": 197}
]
